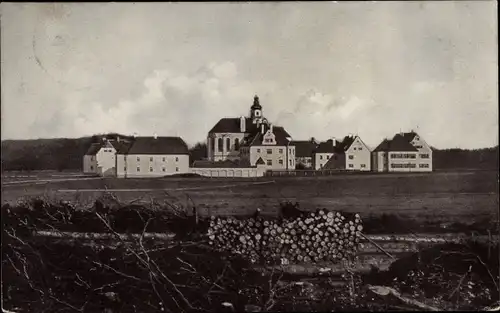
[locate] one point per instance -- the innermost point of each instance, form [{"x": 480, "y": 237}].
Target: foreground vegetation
[{"x": 120, "y": 273}]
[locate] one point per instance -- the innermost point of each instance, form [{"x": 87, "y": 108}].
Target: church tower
[{"x": 256, "y": 111}]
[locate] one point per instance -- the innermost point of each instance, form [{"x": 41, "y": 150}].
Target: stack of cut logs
[{"x": 314, "y": 237}]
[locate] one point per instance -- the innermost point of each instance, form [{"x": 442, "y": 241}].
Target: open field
[{"x": 451, "y": 196}]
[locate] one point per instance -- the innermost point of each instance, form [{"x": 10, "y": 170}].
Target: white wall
[
  {"x": 358, "y": 156},
  {"x": 106, "y": 161},
  {"x": 215, "y": 154},
  {"x": 277, "y": 153},
  {"x": 89, "y": 164},
  {"x": 229, "y": 172},
  {"x": 152, "y": 165},
  {"x": 320, "y": 159}
]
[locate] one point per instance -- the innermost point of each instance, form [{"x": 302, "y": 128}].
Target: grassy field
[{"x": 451, "y": 196}]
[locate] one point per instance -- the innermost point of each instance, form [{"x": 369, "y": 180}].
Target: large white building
[
  {"x": 139, "y": 157},
  {"x": 405, "y": 152}
]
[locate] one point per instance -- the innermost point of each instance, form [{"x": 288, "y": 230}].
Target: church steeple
[{"x": 256, "y": 110}]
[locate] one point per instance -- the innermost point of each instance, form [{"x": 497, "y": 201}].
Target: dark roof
[
  {"x": 159, "y": 145},
  {"x": 121, "y": 146},
  {"x": 280, "y": 135},
  {"x": 407, "y": 136},
  {"x": 304, "y": 148},
  {"x": 222, "y": 164},
  {"x": 398, "y": 143},
  {"x": 383, "y": 146},
  {"x": 260, "y": 161},
  {"x": 256, "y": 105},
  {"x": 93, "y": 149},
  {"x": 232, "y": 125},
  {"x": 346, "y": 142}
]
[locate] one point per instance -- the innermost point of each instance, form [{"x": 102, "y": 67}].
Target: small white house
[
  {"x": 357, "y": 154},
  {"x": 100, "y": 159}
]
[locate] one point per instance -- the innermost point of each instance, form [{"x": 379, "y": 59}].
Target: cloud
[{"x": 321, "y": 69}]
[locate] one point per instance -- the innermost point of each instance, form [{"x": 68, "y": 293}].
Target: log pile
[{"x": 311, "y": 238}]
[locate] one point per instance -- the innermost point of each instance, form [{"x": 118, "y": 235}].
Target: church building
[{"x": 252, "y": 140}]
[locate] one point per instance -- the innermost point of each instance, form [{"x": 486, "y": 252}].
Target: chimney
[
  {"x": 117, "y": 138},
  {"x": 243, "y": 124},
  {"x": 262, "y": 129},
  {"x": 155, "y": 136},
  {"x": 334, "y": 141}
]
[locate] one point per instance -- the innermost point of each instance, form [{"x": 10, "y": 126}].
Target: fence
[{"x": 305, "y": 173}]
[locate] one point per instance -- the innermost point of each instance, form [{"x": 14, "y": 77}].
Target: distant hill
[
  {"x": 67, "y": 154},
  {"x": 60, "y": 153}
]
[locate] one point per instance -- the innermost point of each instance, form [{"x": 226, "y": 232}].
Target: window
[
  {"x": 151, "y": 159},
  {"x": 363, "y": 165},
  {"x": 424, "y": 156},
  {"x": 269, "y": 151},
  {"x": 176, "y": 159},
  {"x": 220, "y": 145},
  {"x": 125, "y": 169},
  {"x": 211, "y": 142},
  {"x": 269, "y": 162},
  {"x": 91, "y": 167},
  {"x": 163, "y": 169},
  {"x": 228, "y": 144},
  {"x": 138, "y": 159},
  {"x": 321, "y": 157},
  {"x": 163, "y": 159},
  {"x": 360, "y": 148},
  {"x": 258, "y": 150},
  {"x": 176, "y": 169},
  {"x": 354, "y": 148},
  {"x": 351, "y": 157},
  {"x": 351, "y": 165},
  {"x": 423, "y": 165},
  {"x": 328, "y": 157},
  {"x": 236, "y": 144},
  {"x": 138, "y": 168},
  {"x": 281, "y": 151},
  {"x": 280, "y": 162},
  {"x": 291, "y": 162},
  {"x": 150, "y": 169}
]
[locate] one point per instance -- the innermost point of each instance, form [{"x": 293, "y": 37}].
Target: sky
[{"x": 320, "y": 69}]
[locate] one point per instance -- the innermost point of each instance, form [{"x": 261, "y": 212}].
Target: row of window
[
  {"x": 280, "y": 151},
  {"x": 163, "y": 169},
  {"x": 108, "y": 150},
  {"x": 408, "y": 156},
  {"x": 328, "y": 157},
  {"x": 220, "y": 144},
  {"x": 352, "y": 165},
  {"x": 405, "y": 165},
  {"x": 164, "y": 159},
  {"x": 280, "y": 162}
]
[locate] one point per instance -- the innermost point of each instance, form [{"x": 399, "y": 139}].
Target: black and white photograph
[{"x": 282, "y": 156}]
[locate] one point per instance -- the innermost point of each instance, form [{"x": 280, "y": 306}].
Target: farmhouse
[
  {"x": 349, "y": 154},
  {"x": 405, "y": 152}
]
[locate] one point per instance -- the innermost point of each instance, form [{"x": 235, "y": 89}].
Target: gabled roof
[
  {"x": 329, "y": 147},
  {"x": 304, "y": 148},
  {"x": 407, "y": 136},
  {"x": 93, "y": 149},
  {"x": 232, "y": 125},
  {"x": 280, "y": 135},
  {"x": 399, "y": 143},
  {"x": 347, "y": 142},
  {"x": 260, "y": 162},
  {"x": 158, "y": 145},
  {"x": 121, "y": 146}
]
